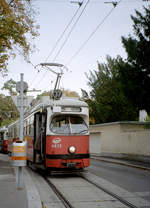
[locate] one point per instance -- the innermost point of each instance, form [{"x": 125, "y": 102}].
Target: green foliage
[
  {"x": 148, "y": 118},
  {"x": 10, "y": 85},
  {"x": 120, "y": 88},
  {"x": 108, "y": 102},
  {"x": 16, "y": 21},
  {"x": 45, "y": 93},
  {"x": 70, "y": 93},
  {"x": 135, "y": 74},
  {"x": 8, "y": 110}
]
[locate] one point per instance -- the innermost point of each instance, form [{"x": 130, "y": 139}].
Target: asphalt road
[{"x": 131, "y": 179}]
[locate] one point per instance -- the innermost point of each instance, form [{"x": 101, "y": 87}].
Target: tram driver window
[
  {"x": 60, "y": 124},
  {"x": 68, "y": 124}
]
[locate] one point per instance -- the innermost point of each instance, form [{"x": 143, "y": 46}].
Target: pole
[
  {"x": 21, "y": 108},
  {"x": 20, "y": 169}
]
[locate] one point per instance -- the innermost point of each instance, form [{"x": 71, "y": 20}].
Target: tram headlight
[{"x": 71, "y": 149}]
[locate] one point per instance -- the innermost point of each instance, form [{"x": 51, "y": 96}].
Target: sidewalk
[
  {"x": 10, "y": 196},
  {"x": 130, "y": 163}
]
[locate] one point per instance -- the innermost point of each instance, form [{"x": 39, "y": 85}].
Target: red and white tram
[
  {"x": 57, "y": 134},
  {"x": 3, "y": 139}
]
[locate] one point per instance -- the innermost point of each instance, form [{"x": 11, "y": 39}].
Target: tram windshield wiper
[{"x": 83, "y": 131}]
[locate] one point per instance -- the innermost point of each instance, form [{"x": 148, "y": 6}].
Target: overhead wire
[
  {"x": 27, "y": 62},
  {"x": 55, "y": 45},
  {"x": 91, "y": 35},
  {"x": 72, "y": 28},
  {"x": 93, "y": 32},
  {"x": 23, "y": 55},
  {"x": 62, "y": 34}
]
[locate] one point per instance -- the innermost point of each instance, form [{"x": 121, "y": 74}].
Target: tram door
[{"x": 39, "y": 137}]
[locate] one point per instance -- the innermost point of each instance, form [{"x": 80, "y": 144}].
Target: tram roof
[{"x": 71, "y": 102}]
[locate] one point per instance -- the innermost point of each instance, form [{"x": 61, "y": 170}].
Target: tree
[
  {"x": 16, "y": 22},
  {"x": 70, "y": 93},
  {"x": 108, "y": 102},
  {"x": 10, "y": 85},
  {"x": 8, "y": 110},
  {"x": 135, "y": 78},
  {"x": 120, "y": 88}
]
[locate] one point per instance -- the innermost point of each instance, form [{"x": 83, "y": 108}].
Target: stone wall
[{"x": 123, "y": 139}]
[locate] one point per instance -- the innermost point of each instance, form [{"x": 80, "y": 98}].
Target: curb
[
  {"x": 122, "y": 163},
  {"x": 33, "y": 196}
]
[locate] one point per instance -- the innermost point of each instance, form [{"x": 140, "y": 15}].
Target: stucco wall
[
  {"x": 131, "y": 138},
  {"x": 95, "y": 143}
]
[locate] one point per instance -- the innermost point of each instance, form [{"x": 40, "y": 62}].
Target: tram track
[
  {"x": 68, "y": 204},
  {"x": 55, "y": 185},
  {"x": 62, "y": 198},
  {"x": 122, "y": 200}
]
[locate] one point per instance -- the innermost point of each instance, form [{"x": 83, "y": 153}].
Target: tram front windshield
[{"x": 68, "y": 124}]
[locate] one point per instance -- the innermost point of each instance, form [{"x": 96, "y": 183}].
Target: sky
[{"x": 96, "y": 34}]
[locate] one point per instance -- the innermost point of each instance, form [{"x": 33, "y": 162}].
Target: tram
[
  {"x": 3, "y": 139},
  {"x": 57, "y": 134},
  {"x": 56, "y": 130},
  {"x": 13, "y": 135}
]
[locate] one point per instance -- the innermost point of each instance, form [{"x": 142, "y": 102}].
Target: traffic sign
[{"x": 18, "y": 87}]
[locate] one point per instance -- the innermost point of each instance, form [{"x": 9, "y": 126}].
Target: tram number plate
[{"x": 71, "y": 165}]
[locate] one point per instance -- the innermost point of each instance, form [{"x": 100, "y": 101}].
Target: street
[{"x": 131, "y": 179}]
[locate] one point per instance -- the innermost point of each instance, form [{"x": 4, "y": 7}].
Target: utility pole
[
  {"x": 21, "y": 109},
  {"x": 19, "y": 148},
  {"x": 21, "y": 87}
]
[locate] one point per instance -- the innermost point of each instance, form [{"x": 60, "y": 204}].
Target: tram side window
[
  {"x": 1, "y": 136},
  {"x": 30, "y": 130},
  {"x": 27, "y": 130},
  {"x": 8, "y": 133},
  {"x": 24, "y": 130},
  {"x": 15, "y": 132},
  {"x": 11, "y": 133}
]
